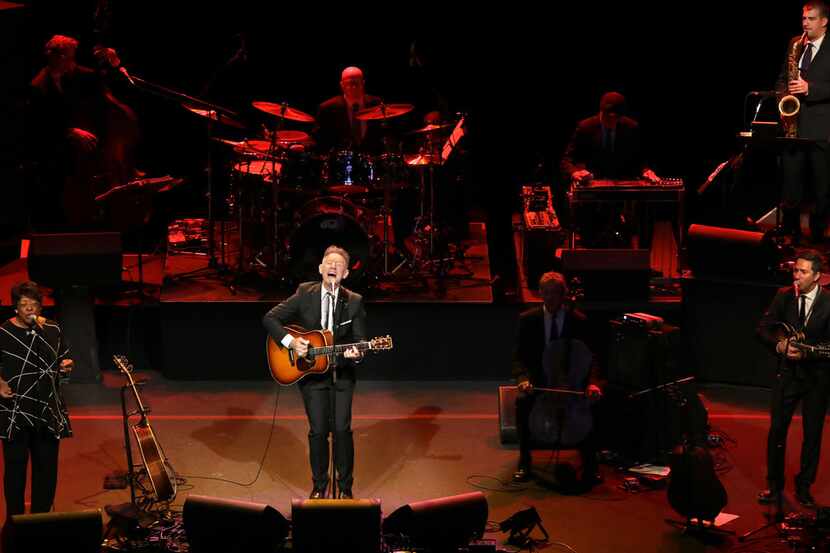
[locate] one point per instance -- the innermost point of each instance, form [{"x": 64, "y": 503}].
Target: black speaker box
[
  {"x": 608, "y": 274},
  {"x": 440, "y": 524},
  {"x": 731, "y": 253},
  {"x": 323, "y": 525},
  {"x": 78, "y": 258},
  {"x": 215, "y": 525},
  {"x": 79, "y": 532}
]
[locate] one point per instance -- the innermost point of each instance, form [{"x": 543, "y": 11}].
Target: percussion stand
[{"x": 213, "y": 111}]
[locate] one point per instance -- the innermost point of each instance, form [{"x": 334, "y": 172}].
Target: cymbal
[
  {"x": 419, "y": 160},
  {"x": 430, "y": 128},
  {"x": 214, "y": 115},
  {"x": 383, "y": 111},
  {"x": 283, "y": 110}
]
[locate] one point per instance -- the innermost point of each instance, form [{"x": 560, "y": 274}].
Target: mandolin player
[
  {"x": 326, "y": 305},
  {"x": 553, "y": 320},
  {"x": 804, "y": 310}
]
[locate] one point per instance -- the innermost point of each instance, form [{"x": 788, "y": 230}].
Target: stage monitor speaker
[
  {"x": 507, "y": 415},
  {"x": 215, "y": 525},
  {"x": 731, "y": 253},
  {"x": 441, "y": 524},
  {"x": 79, "y": 532},
  {"x": 609, "y": 274},
  {"x": 75, "y": 259},
  {"x": 322, "y": 525}
]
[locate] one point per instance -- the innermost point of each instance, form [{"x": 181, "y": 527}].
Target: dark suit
[
  {"x": 304, "y": 308},
  {"x": 810, "y": 164},
  {"x": 617, "y": 157},
  {"x": 807, "y": 381},
  {"x": 334, "y": 129},
  {"x": 527, "y": 365}
]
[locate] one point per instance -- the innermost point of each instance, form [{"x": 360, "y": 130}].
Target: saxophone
[{"x": 789, "y": 105}]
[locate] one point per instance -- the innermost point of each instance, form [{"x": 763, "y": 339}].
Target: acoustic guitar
[
  {"x": 287, "y": 367},
  {"x": 159, "y": 471}
]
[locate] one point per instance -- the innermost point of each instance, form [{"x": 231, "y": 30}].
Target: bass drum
[{"x": 324, "y": 222}]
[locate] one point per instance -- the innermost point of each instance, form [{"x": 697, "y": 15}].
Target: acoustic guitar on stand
[{"x": 287, "y": 367}]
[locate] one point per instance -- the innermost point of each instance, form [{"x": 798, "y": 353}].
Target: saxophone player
[{"x": 804, "y": 81}]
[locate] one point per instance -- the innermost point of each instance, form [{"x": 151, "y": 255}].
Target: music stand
[{"x": 778, "y": 145}]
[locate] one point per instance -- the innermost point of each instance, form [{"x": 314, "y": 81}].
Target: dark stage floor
[{"x": 414, "y": 441}]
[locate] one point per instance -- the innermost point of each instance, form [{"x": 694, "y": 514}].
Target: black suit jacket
[
  {"x": 304, "y": 308},
  {"x": 585, "y": 151},
  {"x": 784, "y": 308},
  {"x": 333, "y": 129},
  {"x": 814, "y": 116},
  {"x": 531, "y": 343}
]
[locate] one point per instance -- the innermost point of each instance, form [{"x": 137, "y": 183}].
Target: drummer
[{"x": 337, "y": 127}]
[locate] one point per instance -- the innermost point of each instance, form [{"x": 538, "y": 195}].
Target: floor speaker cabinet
[
  {"x": 507, "y": 415},
  {"x": 215, "y": 525},
  {"x": 731, "y": 253},
  {"x": 79, "y": 532},
  {"x": 75, "y": 259},
  {"x": 638, "y": 419},
  {"x": 323, "y": 525},
  {"x": 608, "y": 274}
]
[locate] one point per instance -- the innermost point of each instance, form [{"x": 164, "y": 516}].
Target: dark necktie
[
  {"x": 554, "y": 330},
  {"x": 802, "y": 311},
  {"x": 329, "y": 307},
  {"x": 807, "y": 58}
]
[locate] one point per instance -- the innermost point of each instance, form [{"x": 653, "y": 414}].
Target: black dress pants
[
  {"x": 43, "y": 450},
  {"x": 317, "y": 397},
  {"x": 810, "y": 386}
]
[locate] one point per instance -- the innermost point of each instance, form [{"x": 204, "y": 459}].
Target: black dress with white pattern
[{"x": 30, "y": 362}]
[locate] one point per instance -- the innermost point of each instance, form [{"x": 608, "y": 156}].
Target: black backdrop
[{"x": 524, "y": 73}]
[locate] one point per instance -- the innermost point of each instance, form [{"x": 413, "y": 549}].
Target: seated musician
[
  {"x": 605, "y": 146},
  {"x": 539, "y": 326},
  {"x": 337, "y": 127},
  {"x": 326, "y": 305}
]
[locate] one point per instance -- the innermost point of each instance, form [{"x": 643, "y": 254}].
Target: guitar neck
[{"x": 339, "y": 348}]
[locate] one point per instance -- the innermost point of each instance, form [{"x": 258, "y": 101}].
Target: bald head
[{"x": 351, "y": 83}]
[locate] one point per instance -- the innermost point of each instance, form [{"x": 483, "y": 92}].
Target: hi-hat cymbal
[
  {"x": 432, "y": 127},
  {"x": 383, "y": 111},
  {"x": 283, "y": 110},
  {"x": 214, "y": 115}
]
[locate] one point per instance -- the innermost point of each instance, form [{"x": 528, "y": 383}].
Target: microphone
[
  {"x": 123, "y": 71},
  {"x": 762, "y": 93},
  {"x": 797, "y": 290}
]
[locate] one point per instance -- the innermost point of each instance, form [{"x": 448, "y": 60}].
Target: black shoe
[
  {"x": 765, "y": 497},
  {"x": 522, "y": 474},
  {"x": 802, "y": 494},
  {"x": 345, "y": 494},
  {"x": 318, "y": 493}
]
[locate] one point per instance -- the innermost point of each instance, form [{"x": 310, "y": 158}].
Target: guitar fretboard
[{"x": 337, "y": 349}]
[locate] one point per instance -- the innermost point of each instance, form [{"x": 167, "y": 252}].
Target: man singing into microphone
[
  {"x": 315, "y": 306},
  {"x": 802, "y": 377},
  {"x": 33, "y": 416}
]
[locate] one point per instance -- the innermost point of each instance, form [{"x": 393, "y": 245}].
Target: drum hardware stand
[{"x": 219, "y": 113}]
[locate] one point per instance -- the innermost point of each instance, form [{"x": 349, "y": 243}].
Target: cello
[{"x": 561, "y": 413}]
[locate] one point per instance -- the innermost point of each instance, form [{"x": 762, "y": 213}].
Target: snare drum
[{"x": 349, "y": 172}]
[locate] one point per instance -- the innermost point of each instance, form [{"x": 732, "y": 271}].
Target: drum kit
[{"x": 290, "y": 201}]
